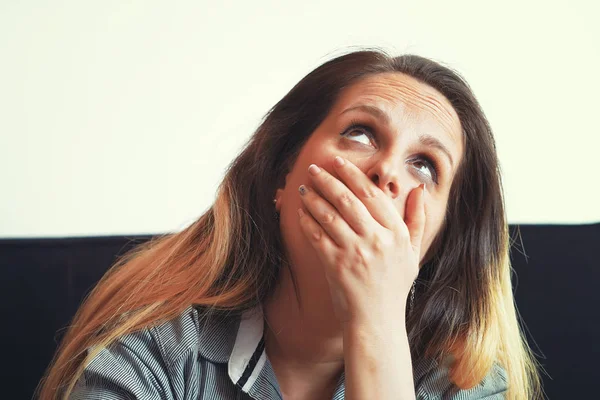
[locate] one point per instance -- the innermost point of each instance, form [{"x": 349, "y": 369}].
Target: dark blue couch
[{"x": 557, "y": 293}]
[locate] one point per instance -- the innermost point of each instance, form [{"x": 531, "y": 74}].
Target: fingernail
[
  {"x": 313, "y": 169},
  {"x": 339, "y": 161},
  {"x": 300, "y": 213},
  {"x": 302, "y": 190}
]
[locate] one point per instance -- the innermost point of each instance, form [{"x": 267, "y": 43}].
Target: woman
[{"x": 357, "y": 248}]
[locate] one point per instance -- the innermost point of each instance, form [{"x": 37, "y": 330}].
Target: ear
[
  {"x": 279, "y": 192},
  {"x": 278, "y": 197}
]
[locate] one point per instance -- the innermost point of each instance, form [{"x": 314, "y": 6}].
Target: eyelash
[{"x": 371, "y": 133}]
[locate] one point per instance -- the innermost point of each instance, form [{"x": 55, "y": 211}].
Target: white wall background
[{"x": 120, "y": 117}]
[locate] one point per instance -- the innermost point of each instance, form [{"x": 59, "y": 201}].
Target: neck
[{"x": 303, "y": 339}]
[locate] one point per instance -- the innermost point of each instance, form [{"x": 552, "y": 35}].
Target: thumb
[{"x": 415, "y": 217}]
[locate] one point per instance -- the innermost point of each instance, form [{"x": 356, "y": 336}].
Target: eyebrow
[{"x": 425, "y": 139}]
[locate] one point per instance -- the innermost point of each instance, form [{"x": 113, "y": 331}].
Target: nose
[{"x": 385, "y": 175}]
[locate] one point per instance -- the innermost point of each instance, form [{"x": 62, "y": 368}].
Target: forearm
[{"x": 377, "y": 363}]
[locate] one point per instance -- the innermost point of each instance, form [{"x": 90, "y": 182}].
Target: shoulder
[
  {"x": 144, "y": 364},
  {"x": 178, "y": 337},
  {"x": 433, "y": 382}
]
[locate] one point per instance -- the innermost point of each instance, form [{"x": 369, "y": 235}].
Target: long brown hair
[{"x": 230, "y": 257}]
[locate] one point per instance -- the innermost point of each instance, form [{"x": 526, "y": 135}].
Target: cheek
[
  {"x": 320, "y": 156},
  {"x": 433, "y": 224}
]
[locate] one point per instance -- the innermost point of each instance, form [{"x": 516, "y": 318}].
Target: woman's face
[{"x": 400, "y": 133}]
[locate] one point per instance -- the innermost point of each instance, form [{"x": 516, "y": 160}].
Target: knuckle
[
  {"x": 369, "y": 192},
  {"x": 317, "y": 235},
  {"x": 363, "y": 255},
  {"x": 378, "y": 245},
  {"x": 339, "y": 265},
  {"x": 328, "y": 218},
  {"x": 340, "y": 260},
  {"x": 345, "y": 199},
  {"x": 381, "y": 243}
]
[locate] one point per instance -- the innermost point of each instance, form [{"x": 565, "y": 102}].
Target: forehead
[{"x": 402, "y": 96}]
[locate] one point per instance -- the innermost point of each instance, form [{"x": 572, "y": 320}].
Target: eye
[
  {"x": 359, "y": 133},
  {"x": 427, "y": 167}
]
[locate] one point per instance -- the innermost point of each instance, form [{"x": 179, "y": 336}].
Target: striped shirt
[{"x": 221, "y": 357}]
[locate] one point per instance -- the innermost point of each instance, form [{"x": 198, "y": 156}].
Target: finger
[
  {"x": 347, "y": 204},
  {"x": 317, "y": 237},
  {"x": 415, "y": 217},
  {"x": 328, "y": 218},
  {"x": 379, "y": 206}
]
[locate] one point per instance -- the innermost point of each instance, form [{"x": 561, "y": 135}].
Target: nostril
[{"x": 393, "y": 188}]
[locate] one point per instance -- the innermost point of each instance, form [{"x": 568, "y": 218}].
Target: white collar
[{"x": 248, "y": 356}]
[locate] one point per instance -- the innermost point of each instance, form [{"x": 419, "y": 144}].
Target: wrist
[
  {"x": 375, "y": 325},
  {"x": 375, "y": 337},
  {"x": 378, "y": 360}
]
